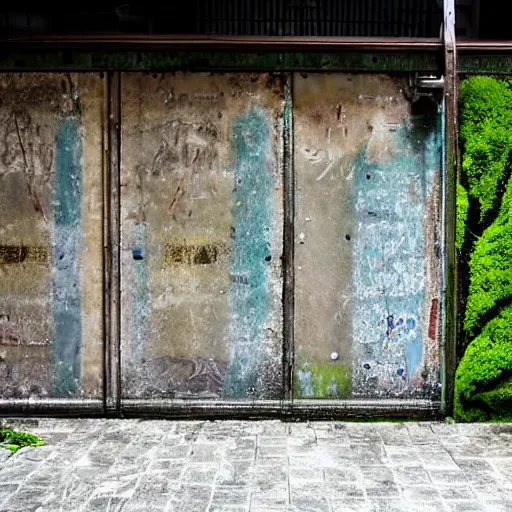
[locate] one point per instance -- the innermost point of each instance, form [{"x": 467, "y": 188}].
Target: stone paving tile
[{"x": 265, "y": 466}]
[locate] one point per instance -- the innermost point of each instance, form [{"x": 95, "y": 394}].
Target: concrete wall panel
[
  {"x": 202, "y": 214},
  {"x": 51, "y": 235},
  {"x": 367, "y": 163}
]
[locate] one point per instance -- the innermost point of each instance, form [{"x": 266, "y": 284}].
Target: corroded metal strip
[
  {"x": 51, "y": 407},
  {"x": 395, "y": 60},
  {"x": 112, "y": 225},
  {"x": 296, "y": 409},
  {"x": 481, "y": 63},
  {"x": 201, "y": 409},
  {"x": 449, "y": 356},
  {"x": 217, "y": 42},
  {"x": 288, "y": 239},
  {"x": 106, "y": 255}
]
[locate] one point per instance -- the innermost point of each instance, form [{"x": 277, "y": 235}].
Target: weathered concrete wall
[
  {"x": 202, "y": 159},
  {"x": 202, "y": 223},
  {"x": 367, "y": 275},
  {"x": 51, "y": 235}
]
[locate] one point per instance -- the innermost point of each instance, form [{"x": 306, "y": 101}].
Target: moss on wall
[
  {"x": 483, "y": 383},
  {"x": 331, "y": 380},
  {"x": 462, "y": 215}
]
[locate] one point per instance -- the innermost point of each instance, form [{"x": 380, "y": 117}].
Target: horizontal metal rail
[
  {"x": 241, "y": 43},
  {"x": 470, "y": 45},
  {"x": 222, "y": 409}
]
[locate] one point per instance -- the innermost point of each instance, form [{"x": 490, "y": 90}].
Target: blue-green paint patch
[
  {"x": 66, "y": 253},
  {"x": 390, "y": 260},
  {"x": 250, "y": 256},
  {"x": 140, "y": 293}
]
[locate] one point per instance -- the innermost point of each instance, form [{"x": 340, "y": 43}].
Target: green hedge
[{"x": 483, "y": 383}]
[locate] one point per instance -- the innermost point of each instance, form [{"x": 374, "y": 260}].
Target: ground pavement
[{"x": 235, "y": 466}]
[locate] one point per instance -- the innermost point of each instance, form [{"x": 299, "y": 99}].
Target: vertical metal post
[
  {"x": 289, "y": 238},
  {"x": 112, "y": 247},
  {"x": 450, "y": 190}
]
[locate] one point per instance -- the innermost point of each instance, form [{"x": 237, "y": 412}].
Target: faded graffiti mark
[
  {"x": 185, "y": 144},
  {"x": 252, "y": 212},
  {"x": 169, "y": 96},
  {"x": 208, "y": 368},
  {"x": 66, "y": 258},
  {"x": 186, "y": 150},
  {"x": 205, "y": 254},
  {"x": 29, "y": 173},
  {"x": 13, "y": 254},
  {"x": 401, "y": 337},
  {"x": 390, "y": 264},
  {"x": 330, "y": 157},
  {"x": 140, "y": 295},
  {"x": 9, "y": 334},
  {"x": 174, "y": 377},
  {"x": 27, "y": 147},
  {"x": 24, "y": 377}
]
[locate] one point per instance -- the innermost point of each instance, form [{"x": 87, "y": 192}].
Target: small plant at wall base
[
  {"x": 13, "y": 440},
  {"x": 483, "y": 382}
]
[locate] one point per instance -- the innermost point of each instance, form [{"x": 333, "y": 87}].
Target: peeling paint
[
  {"x": 250, "y": 256},
  {"x": 66, "y": 259},
  {"x": 390, "y": 320},
  {"x": 140, "y": 296}
]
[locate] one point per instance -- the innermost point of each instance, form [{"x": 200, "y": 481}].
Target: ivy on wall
[{"x": 483, "y": 382}]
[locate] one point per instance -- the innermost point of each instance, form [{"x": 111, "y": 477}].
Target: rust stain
[
  {"x": 432, "y": 324},
  {"x": 180, "y": 192},
  {"x": 203, "y": 254},
  {"x": 29, "y": 173},
  {"x": 13, "y": 254}
]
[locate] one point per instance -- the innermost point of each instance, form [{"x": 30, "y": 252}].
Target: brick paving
[{"x": 260, "y": 466}]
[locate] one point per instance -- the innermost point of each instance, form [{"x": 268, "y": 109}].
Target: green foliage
[
  {"x": 483, "y": 383},
  {"x": 13, "y": 440},
  {"x": 486, "y": 136},
  {"x": 491, "y": 273},
  {"x": 462, "y": 215}
]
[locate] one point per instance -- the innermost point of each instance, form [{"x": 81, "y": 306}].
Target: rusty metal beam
[
  {"x": 473, "y": 45},
  {"x": 239, "y": 43},
  {"x": 483, "y": 57},
  {"x": 449, "y": 359},
  {"x": 348, "y": 60}
]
